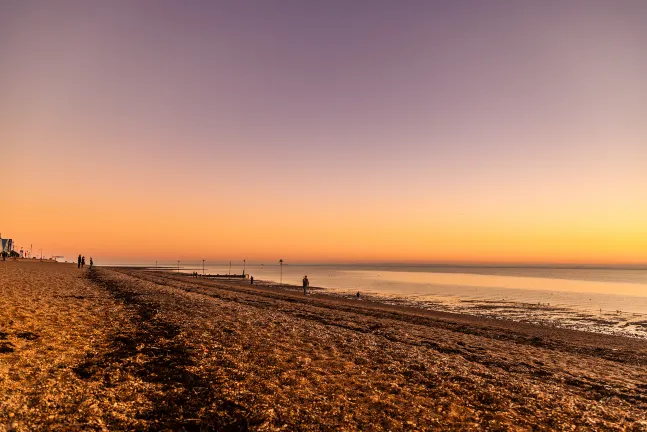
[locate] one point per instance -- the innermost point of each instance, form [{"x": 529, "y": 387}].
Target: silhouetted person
[
  {"x": 82, "y": 262},
  {"x": 251, "y": 280},
  {"x": 4, "y": 256},
  {"x": 357, "y": 295},
  {"x": 91, "y": 264},
  {"x": 306, "y": 284},
  {"x": 79, "y": 265}
]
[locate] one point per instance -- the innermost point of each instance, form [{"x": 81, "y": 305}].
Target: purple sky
[{"x": 381, "y": 102}]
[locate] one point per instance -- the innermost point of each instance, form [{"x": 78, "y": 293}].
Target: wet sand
[
  {"x": 618, "y": 323},
  {"x": 129, "y": 349}
]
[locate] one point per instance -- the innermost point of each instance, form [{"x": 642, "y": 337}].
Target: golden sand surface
[{"x": 125, "y": 349}]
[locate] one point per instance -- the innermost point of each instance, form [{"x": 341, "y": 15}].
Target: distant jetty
[{"x": 223, "y": 276}]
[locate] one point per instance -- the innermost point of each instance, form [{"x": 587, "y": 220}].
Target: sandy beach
[{"x": 126, "y": 349}]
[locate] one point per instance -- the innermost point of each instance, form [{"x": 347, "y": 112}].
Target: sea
[{"x": 610, "y": 300}]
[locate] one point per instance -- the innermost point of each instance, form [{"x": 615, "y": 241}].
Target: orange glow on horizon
[{"x": 136, "y": 229}]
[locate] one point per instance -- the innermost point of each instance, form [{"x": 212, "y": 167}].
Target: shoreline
[
  {"x": 406, "y": 307},
  {"x": 606, "y": 322},
  {"x": 125, "y": 349}
]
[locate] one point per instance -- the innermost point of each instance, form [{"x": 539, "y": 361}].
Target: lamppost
[{"x": 281, "y": 264}]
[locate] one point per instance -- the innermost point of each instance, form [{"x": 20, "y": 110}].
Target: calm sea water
[
  {"x": 590, "y": 289},
  {"x": 606, "y": 300}
]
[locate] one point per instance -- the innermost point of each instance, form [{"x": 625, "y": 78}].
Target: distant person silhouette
[
  {"x": 79, "y": 265},
  {"x": 251, "y": 280},
  {"x": 91, "y": 263},
  {"x": 306, "y": 284},
  {"x": 358, "y": 295},
  {"x": 82, "y": 262}
]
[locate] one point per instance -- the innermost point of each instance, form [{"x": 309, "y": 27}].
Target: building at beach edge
[{"x": 6, "y": 244}]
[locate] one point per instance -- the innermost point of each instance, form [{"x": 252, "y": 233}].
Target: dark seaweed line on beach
[{"x": 185, "y": 393}]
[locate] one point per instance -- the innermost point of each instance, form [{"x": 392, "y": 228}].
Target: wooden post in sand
[{"x": 281, "y": 264}]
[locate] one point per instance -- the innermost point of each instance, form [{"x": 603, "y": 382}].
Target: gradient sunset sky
[{"x": 326, "y": 131}]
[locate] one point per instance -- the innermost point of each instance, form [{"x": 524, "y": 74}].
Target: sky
[{"x": 325, "y": 131}]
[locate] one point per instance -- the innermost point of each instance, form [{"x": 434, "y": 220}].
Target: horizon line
[{"x": 408, "y": 263}]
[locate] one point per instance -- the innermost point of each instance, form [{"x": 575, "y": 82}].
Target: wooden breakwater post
[{"x": 227, "y": 276}]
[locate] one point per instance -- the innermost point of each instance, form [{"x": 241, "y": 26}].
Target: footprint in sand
[
  {"x": 6, "y": 347},
  {"x": 27, "y": 335}
]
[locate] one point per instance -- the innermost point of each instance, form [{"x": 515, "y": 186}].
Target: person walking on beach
[
  {"x": 91, "y": 263},
  {"x": 79, "y": 262},
  {"x": 82, "y": 262},
  {"x": 306, "y": 284},
  {"x": 251, "y": 280}
]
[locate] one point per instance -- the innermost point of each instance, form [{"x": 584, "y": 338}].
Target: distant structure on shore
[{"x": 7, "y": 245}]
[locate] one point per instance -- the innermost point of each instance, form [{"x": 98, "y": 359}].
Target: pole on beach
[
  {"x": 281, "y": 264},
  {"x": 244, "y": 268},
  {"x": 178, "y": 266},
  {"x": 203, "y": 267}
]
